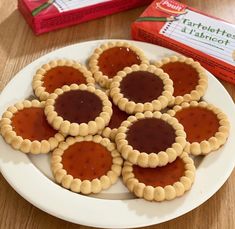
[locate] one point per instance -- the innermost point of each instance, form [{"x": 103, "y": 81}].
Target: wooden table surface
[{"x": 19, "y": 47}]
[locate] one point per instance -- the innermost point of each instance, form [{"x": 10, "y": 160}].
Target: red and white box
[
  {"x": 176, "y": 26},
  {"x": 47, "y": 15}
]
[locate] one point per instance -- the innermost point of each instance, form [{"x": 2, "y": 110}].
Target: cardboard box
[
  {"x": 47, "y": 15},
  {"x": 207, "y": 39}
]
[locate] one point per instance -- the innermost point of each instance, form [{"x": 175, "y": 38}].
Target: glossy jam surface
[
  {"x": 160, "y": 176},
  {"x": 115, "y": 59},
  {"x": 87, "y": 160},
  {"x": 117, "y": 117},
  {"x": 78, "y": 106},
  {"x": 62, "y": 75},
  {"x": 30, "y": 123},
  {"x": 184, "y": 76},
  {"x": 151, "y": 135},
  {"x": 141, "y": 86},
  {"x": 199, "y": 123}
]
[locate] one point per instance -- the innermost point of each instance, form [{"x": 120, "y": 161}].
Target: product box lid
[
  {"x": 46, "y": 15},
  {"x": 207, "y": 39}
]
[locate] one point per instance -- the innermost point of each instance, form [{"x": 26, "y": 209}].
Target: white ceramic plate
[{"x": 31, "y": 177}]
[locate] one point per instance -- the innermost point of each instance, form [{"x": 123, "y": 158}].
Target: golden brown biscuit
[
  {"x": 58, "y": 73},
  {"x": 78, "y": 110},
  {"x": 188, "y": 76},
  {"x": 110, "y": 58},
  {"x": 150, "y": 139},
  {"x": 206, "y": 126},
  {"x": 25, "y": 128},
  {"x": 141, "y": 88},
  {"x": 160, "y": 183},
  {"x": 86, "y": 164}
]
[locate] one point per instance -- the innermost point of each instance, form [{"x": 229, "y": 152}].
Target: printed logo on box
[{"x": 171, "y": 7}]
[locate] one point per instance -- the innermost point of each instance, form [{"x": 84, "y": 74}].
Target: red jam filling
[
  {"x": 31, "y": 123},
  {"x": 199, "y": 123},
  {"x": 78, "y": 106},
  {"x": 117, "y": 117},
  {"x": 185, "y": 78},
  {"x": 62, "y": 75},
  {"x": 141, "y": 86},
  {"x": 151, "y": 135},
  {"x": 160, "y": 176},
  {"x": 87, "y": 160},
  {"x": 113, "y": 60}
]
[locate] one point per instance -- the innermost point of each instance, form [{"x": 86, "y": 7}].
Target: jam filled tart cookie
[
  {"x": 160, "y": 183},
  {"x": 188, "y": 76},
  {"x": 24, "y": 126},
  {"x": 58, "y": 73},
  {"x": 206, "y": 127},
  {"x": 150, "y": 139},
  {"x": 112, "y": 57},
  {"x": 141, "y": 88},
  {"x": 117, "y": 118},
  {"x": 86, "y": 164},
  {"x": 78, "y": 110}
]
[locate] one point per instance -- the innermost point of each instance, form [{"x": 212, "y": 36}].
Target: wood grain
[{"x": 19, "y": 47}]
